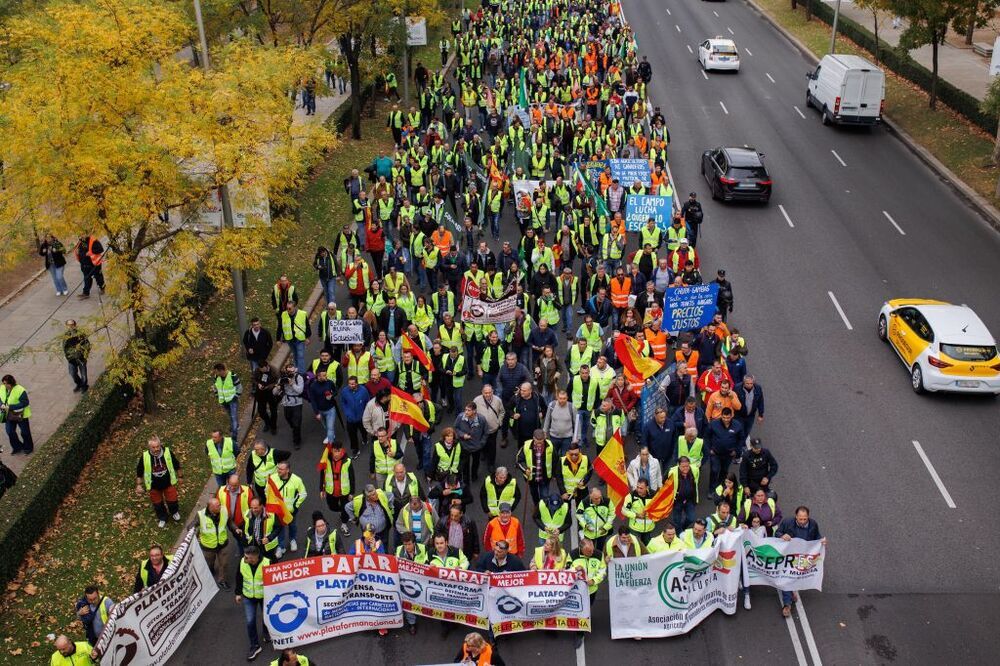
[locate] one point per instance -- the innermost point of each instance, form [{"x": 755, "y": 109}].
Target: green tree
[
  {"x": 991, "y": 105},
  {"x": 104, "y": 132},
  {"x": 878, "y": 9},
  {"x": 928, "y": 24}
]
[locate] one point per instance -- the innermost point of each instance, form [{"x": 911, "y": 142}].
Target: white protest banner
[
  {"x": 148, "y": 626},
  {"x": 416, "y": 31},
  {"x": 528, "y": 186},
  {"x": 315, "y": 598},
  {"x": 477, "y": 308},
  {"x": 453, "y": 595},
  {"x": 785, "y": 565},
  {"x": 528, "y": 600},
  {"x": 346, "y": 331},
  {"x": 639, "y": 208},
  {"x": 628, "y": 171},
  {"x": 668, "y": 594}
]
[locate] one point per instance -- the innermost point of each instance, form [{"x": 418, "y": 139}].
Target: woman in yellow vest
[
  {"x": 549, "y": 556},
  {"x": 381, "y": 351},
  {"x": 423, "y": 315},
  {"x": 15, "y": 413}
]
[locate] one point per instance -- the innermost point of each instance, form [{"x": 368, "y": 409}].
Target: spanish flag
[
  {"x": 663, "y": 501},
  {"x": 404, "y": 409},
  {"x": 628, "y": 352},
  {"x": 610, "y": 466},
  {"x": 275, "y": 502},
  {"x": 407, "y": 345}
]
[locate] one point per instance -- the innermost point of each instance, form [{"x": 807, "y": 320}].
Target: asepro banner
[
  {"x": 785, "y": 565},
  {"x": 528, "y": 600},
  {"x": 146, "y": 628},
  {"x": 452, "y": 595},
  {"x": 668, "y": 594},
  {"x": 315, "y": 598}
]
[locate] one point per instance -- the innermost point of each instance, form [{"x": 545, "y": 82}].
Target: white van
[{"x": 847, "y": 89}]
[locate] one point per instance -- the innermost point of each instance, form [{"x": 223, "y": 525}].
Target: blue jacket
[
  {"x": 510, "y": 379},
  {"x": 699, "y": 420},
  {"x": 537, "y": 338},
  {"x": 323, "y": 395},
  {"x": 352, "y": 403},
  {"x": 724, "y": 441},
  {"x": 758, "y": 401},
  {"x": 788, "y": 526},
  {"x": 660, "y": 440},
  {"x": 737, "y": 370}
]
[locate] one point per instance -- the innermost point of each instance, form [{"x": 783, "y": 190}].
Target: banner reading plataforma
[
  {"x": 528, "y": 600},
  {"x": 315, "y": 598},
  {"x": 668, "y": 594},
  {"x": 452, "y": 595},
  {"x": 785, "y": 565},
  {"x": 148, "y": 626}
]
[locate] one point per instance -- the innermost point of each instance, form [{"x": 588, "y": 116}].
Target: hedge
[
  {"x": 27, "y": 509},
  {"x": 902, "y": 64}
]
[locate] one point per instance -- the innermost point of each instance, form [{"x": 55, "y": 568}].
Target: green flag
[
  {"x": 582, "y": 178},
  {"x": 522, "y": 92}
]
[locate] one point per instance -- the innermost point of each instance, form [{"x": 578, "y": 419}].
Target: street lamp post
[
  {"x": 833, "y": 33},
  {"x": 227, "y": 208}
]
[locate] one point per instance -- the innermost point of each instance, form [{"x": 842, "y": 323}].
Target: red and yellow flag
[
  {"x": 663, "y": 501},
  {"x": 275, "y": 503},
  {"x": 407, "y": 345},
  {"x": 610, "y": 466},
  {"x": 628, "y": 350},
  {"x": 404, "y": 409}
]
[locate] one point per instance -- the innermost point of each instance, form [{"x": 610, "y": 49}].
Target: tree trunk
[
  {"x": 809, "y": 10},
  {"x": 877, "y": 45},
  {"x": 795, "y": 5},
  {"x": 934, "y": 71},
  {"x": 972, "y": 23},
  {"x": 137, "y": 309},
  {"x": 996, "y": 157}
]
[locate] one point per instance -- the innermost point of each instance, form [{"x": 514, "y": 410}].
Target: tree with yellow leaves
[{"x": 106, "y": 132}]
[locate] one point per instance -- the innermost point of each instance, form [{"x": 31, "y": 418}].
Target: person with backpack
[
  {"x": 724, "y": 301},
  {"x": 693, "y": 215}
]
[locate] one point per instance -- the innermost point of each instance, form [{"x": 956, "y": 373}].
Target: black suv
[{"x": 736, "y": 174}]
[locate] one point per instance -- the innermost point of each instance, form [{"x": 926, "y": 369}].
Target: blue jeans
[
  {"x": 287, "y": 533},
  {"x": 298, "y": 348},
  {"x": 361, "y": 236},
  {"x": 491, "y": 379},
  {"x": 561, "y": 444},
  {"x": 682, "y": 515},
  {"x": 329, "y": 418},
  {"x": 233, "y": 409},
  {"x": 567, "y": 317},
  {"x": 495, "y": 225},
  {"x": 252, "y": 608},
  {"x": 221, "y": 479},
  {"x": 424, "y": 449},
  {"x": 25, "y": 442},
  {"x": 329, "y": 285},
  {"x": 58, "y": 281},
  {"x": 786, "y": 598},
  {"x": 584, "y": 416},
  {"x": 456, "y": 399},
  {"x": 423, "y": 284}
]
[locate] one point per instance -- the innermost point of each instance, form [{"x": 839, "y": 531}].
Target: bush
[
  {"x": 902, "y": 64},
  {"x": 26, "y": 510}
]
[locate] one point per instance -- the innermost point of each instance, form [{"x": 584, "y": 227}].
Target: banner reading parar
[
  {"x": 528, "y": 600},
  {"x": 452, "y": 595}
]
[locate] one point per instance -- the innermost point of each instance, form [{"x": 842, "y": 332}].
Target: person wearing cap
[
  {"x": 677, "y": 259},
  {"x": 506, "y": 528},
  {"x": 321, "y": 538},
  {"x": 693, "y": 215},
  {"x": 724, "y": 301},
  {"x": 368, "y": 543},
  {"x": 758, "y": 469}
]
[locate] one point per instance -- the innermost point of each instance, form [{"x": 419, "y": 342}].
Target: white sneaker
[
  {"x": 293, "y": 546},
  {"x": 176, "y": 517},
  {"x": 746, "y": 602},
  {"x": 279, "y": 552},
  {"x": 161, "y": 524}
]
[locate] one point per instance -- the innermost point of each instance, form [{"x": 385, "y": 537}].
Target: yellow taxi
[{"x": 945, "y": 347}]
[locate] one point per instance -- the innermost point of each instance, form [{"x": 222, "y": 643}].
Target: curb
[
  {"x": 21, "y": 288},
  {"x": 976, "y": 201}
]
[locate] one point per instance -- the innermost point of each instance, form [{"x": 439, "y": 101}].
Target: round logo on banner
[
  {"x": 288, "y": 611},
  {"x": 411, "y": 588},
  {"x": 509, "y": 605}
]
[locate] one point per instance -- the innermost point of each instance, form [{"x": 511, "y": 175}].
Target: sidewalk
[
  {"x": 957, "y": 63},
  {"x": 35, "y": 318}
]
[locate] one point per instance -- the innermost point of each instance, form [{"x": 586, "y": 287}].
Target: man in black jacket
[
  {"x": 693, "y": 215},
  {"x": 758, "y": 469},
  {"x": 257, "y": 344},
  {"x": 499, "y": 560},
  {"x": 724, "y": 301},
  {"x": 751, "y": 396}
]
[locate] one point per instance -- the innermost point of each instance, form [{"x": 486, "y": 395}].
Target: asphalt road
[{"x": 841, "y": 416}]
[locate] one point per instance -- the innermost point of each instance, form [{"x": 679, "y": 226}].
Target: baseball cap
[
  {"x": 756, "y": 443},
  {"x": 505, "y": 506}
]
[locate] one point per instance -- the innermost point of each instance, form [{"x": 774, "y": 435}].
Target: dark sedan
[{"x": 736, "y": 174}]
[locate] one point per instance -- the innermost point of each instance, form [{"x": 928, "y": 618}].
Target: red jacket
[{"x": 374, "y": 238}]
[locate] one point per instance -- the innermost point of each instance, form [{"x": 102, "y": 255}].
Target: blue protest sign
[
  {"x": 629, "y": 171},
  {"x": 691, "y": 307},
  {"x": 639, "y": 208}
]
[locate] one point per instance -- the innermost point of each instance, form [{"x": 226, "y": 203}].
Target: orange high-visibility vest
[
  {"x": 691, "y": 360},
  {"x": 95, "y": 259},
  {"x": 620, "y": 290},
  {"x": 442, "y": 241},
  {"x": 658, "y": 341}
]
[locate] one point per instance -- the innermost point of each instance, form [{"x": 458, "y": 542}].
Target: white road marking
[
  {"x": 704, "y": 74},
  {"x": 799, "y": 111},
  {"x": 724, "y": 107},
  {"x": 769, "y": 77},
  {"x": 934, "y": 475},
  {"x": 716, "y": 13},
  {"x": 793, "y": 633},
  {"x": 807, "y": 630},
  {"x": 730, "y": 30},
  {"x": 747, "y": 50},
  {"x": 898, "y": 228},
  {"x": 785, "y": 213},
  {"x": 840, "y": 311},
  {"x": 839, "y": 158},
  {"x": 690, "y": 50},
  {"x": 668, "y": 13},
  {"x": 678, "y": 27}
]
